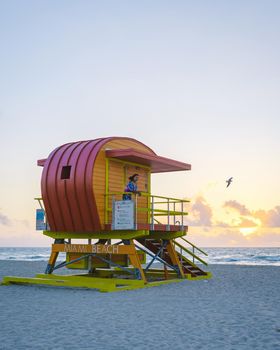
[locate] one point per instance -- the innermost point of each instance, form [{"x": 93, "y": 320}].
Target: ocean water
[
  {"x": 235, "y": 256},
  {"x": 243, "y": 256},
  {"x": 27, "y": 254}
]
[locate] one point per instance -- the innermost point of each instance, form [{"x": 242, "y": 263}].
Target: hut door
[{"x": 143, "y": 186}]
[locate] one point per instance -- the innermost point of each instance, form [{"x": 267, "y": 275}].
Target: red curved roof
[
  {"x": 67, "y": 181},
  {"x": 70, "y": 205}
]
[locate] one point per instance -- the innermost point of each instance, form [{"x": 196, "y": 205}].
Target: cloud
[
  {"x": 245, "y": 222},
  {"x": 247, "y": 218},
  {"x": 200, "y": 213},
  {"x": 232, "y": 237},
  {"x": 239, "y": 216},
  {"x": 221, "y": 224},
  {"x": 4, "y": 220},
  {"x": 270, "y": 218},
  {"x": 240, "y": 208},
  {"x": 239, "y": 226},
  {"x": 217, "y": 237}
]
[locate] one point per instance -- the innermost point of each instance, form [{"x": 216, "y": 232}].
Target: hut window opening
[{"x": 65, "y": 172}]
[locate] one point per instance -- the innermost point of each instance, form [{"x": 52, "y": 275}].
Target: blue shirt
[{"x": 130, "y": 187}]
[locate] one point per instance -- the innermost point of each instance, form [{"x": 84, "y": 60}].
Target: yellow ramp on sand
[{"x": 101, "y": 284}]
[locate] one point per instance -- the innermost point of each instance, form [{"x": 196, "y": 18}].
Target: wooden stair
[{"x": 188, "y": 267}]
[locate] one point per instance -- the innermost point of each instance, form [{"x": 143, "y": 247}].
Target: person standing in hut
[{"x": 131, "y": 187}]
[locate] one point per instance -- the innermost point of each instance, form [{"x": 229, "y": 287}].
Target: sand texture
[{"x": 238, "y": 309}]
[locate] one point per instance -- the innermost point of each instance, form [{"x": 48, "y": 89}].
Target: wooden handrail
[
  {"x": 146, "y": 194},
  {"x": 189, "y": 252},
  {"x": 160, "y": 211},
  {"x": 184, "y": 239}
]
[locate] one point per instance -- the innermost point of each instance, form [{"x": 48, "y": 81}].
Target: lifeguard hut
[{"x": 82, "y": 199}]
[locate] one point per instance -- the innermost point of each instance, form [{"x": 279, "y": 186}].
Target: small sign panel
[
  {"x": 40, "y": 220},
  {"x": 123, "y": 215}
]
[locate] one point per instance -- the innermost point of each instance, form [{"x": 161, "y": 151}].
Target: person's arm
[{"x": 136, "y": 190}]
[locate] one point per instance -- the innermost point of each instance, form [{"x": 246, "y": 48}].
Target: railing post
[
  {"x": 106, "y": 199},
  {"x": 193, "y": 254},
  {"x": 135, "y": 211},
  {"x": 168, "y": 217},
  {"x": 153, "y": 224},
  {"x": 113, "y": 213},
  {"x": 181, "y": 253},
  {"x": 182, "y": 216},
  {"x": 174, "y": 216}
]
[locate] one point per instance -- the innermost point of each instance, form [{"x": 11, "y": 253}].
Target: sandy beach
[{"x": 238, "y": 309}]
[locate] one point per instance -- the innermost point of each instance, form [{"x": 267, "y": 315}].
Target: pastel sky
[{"x": 197, "y": 81}]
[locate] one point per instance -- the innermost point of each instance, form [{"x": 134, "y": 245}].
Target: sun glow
[{"x": 246, "y": 231}]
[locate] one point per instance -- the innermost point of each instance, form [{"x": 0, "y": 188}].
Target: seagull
[{"x": 229, "y": 181}]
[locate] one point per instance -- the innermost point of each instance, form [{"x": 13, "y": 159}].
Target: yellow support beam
[{"x": 174, "y": 257}]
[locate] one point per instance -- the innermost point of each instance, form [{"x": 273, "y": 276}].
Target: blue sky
[{"x": 196, "y": 81}]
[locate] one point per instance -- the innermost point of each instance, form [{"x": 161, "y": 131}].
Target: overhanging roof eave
[{"x": 158, "y": 164}]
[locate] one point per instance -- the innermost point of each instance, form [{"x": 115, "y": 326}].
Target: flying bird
[{"x": 229, "y": 181}]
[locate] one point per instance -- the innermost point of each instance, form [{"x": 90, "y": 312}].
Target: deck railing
[{"x": 169, "y": 209}]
